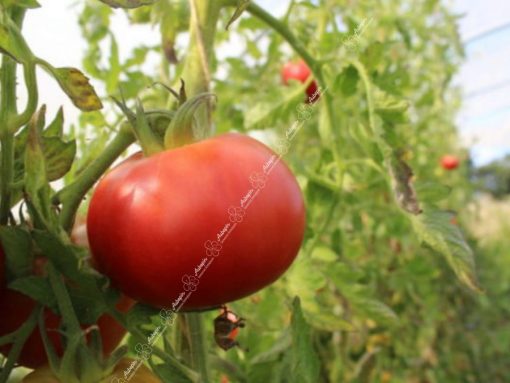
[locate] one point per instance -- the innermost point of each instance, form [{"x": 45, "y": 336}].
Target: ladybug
[{"x": 226, "y": 328}]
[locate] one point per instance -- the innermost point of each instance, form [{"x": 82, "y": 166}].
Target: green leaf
[
  {"x": 169, "y": 373},
  {"x": 141, "y": 314},
  {"x": 388, "y": 106},
  {"x": 59, "y": 156},
  {"x": 265, "y": 113},
  {"x": 37, "y": 288},
  {"x": 347, "y": 81},
  {"x": 114, "y": 67},
  {"x": 306, "y": 279},
  {"x": 12, "y": 42},
  {"x": 17, "y": 247},
  {"x": 273, "y": 354},
  {"x": 305, "y": 365},
  {"x": 88, "y": 291},
  {"x": 373, "y": 309},
  {"x": 56, "y": 127},
  {"x": 129, "y": 4},
  {"x": 435, "y": 229},
  {"x": 20, "y": 3},
  {"x": 325, "y": 254},
  {"x": 63, "y": 256},
  {"x": 35, "y": 180},
  {"x": 431, "y": 192},
  {"x": 241, "y": 7}
]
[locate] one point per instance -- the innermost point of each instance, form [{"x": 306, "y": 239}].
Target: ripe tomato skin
[
  {"x": 149, "y": 220},
  {"x": 16, "y": 308},
  {"x": 299, "y": 71},
  {"x": 142, "y": 375},
  {"x": 450, "y": 162}
]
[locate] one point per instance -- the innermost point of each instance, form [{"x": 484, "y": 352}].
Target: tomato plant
[{"x": 327, "y": 225}]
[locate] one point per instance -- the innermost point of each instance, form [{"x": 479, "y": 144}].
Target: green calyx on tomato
[
  {"x": 197, "y": 226},
  {"x": 178, "y": 125}
]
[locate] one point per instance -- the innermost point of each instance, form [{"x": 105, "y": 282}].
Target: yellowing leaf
[{"x": 76, "y": 85}]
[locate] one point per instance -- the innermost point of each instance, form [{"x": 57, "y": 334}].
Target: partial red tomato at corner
[
  {"x": 450, "y": 162},
  {"x": 15, "y": 308},
  {"x": 299, "y": 71},
  {"x": 197, "y": 226}
]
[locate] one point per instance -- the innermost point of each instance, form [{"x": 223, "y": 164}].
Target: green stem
[
  {"x": 65, "y": 305},
  {"x": 329, "y": 216},
  {"x": 21, "y": 336},
  {"x": 376, "y": 130},
  {"x": 164, "y": 356},
  {"x": 7, "y": 177},
  {"x": 196, "y": 73},
  {"x": 7, "y": 109},
  {"x": 21, "y": 119},
  {"x": 314, "y": 65},
  {"x": 231, "y": 369},
  {"x": 198, "y": 346},
  {"x": 72, "y": 195}
]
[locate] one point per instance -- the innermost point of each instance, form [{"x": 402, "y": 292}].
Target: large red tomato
[
  {"x": 299, "y": 71},
  {"x": 156, "y": 224}
]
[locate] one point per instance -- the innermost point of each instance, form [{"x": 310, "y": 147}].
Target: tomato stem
[
  {"x": 72, "y": 195},
  {"x": 146, "y": 137},
  {"x": 7, "y": 109},
  {"x": 316, "y": 68},
  {"x": 165, "y": 356},
  {"x": 196, "y": 72},
  {"x": 17, "y": 121},
  {"x": 20, "y": 336},
  {"x": 197, "y": 346}
]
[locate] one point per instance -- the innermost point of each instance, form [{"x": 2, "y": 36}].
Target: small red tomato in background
[
  {"x": 299, "y": 71},
  {"x": 450, "y": 162},
  {"x": 202, "y": 222}
]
